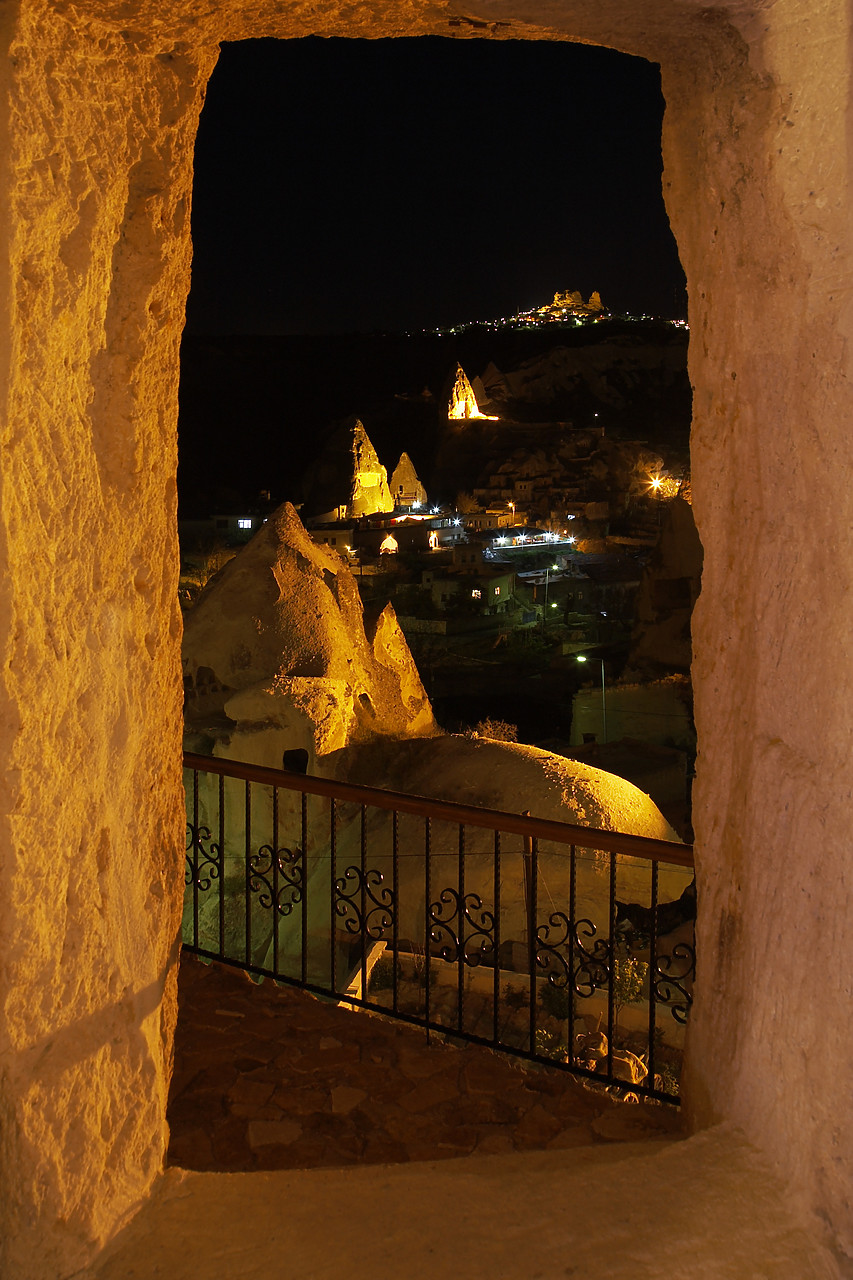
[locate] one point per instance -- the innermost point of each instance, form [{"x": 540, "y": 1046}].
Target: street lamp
[
  {"x": 549, "y": 569},
  {"x": 581, "y": 657}
]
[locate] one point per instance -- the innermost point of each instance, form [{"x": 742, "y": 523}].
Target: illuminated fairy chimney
[
  {"x": 370, "y": 493},
  {"x": 406, "y": 488},
  {"x": 463, "y": 402}
]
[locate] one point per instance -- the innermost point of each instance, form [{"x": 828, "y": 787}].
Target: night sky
[{"x": 351, "y": 185}]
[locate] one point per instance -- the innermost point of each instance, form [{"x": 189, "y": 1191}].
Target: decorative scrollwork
[
  {"x": 558, "y": 939},
  {"x": 371, "y": 914},
  {"x": 673, "y": 975},
  {"x": 467, "y": 929},
  {"x": 551, "y": 940},
  {"x": 276, "y": 875},
  {"x": 204, "y": 858}
]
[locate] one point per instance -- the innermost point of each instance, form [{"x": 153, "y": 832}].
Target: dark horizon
[{"x": 352, "y": 186}]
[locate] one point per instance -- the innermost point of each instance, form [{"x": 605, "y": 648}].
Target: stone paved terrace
[
  {"x": 268, "y": 1077},
  {"x": 551, "y": 1179}
]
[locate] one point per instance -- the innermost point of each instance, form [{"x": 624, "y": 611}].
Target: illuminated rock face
[
  {"x": 571, "y": 303},
  {"x": 370, "y": 494},
  {"x": 462, "y": 402},
  {"x": 98, "y": 111},
  {"x": 568, "y": 303},
  {"x": 484, "y": 772},
  {"x": 279, "y": 635},
  {"x": 406, "y": 488}
]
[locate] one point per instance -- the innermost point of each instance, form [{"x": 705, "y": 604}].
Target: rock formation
[
  {"x": 463, "y": 403},
  {"x": 568, "y": 303},
  {"x": 276, "y": 656},
  {"x": 668, "y": 591},
  {"x": 501, "y": 775},
  {"x": 369, "y": 493},
  {"x": 348, "y": 480},
  {"x": 406, "y": 488}
]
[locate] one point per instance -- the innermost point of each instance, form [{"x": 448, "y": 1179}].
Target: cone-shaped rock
[
  {"x": 348, "y": 480},
  {"x": 406, "y": 488},
  {"x": 276, "y": 655},
  {"x": 463, "y": 402}
]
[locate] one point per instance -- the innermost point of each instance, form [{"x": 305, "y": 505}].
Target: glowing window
[
  {"x": 244, "y": 524},
  {"x": 497, "y": 591},
  {"x": 476, "y": 594}
]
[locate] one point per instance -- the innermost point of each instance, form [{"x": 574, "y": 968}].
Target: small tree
[
  {"x": 497, "y": 730},
  {"x": 466, "y": 503},
  {"x": 628, "y": 983}
]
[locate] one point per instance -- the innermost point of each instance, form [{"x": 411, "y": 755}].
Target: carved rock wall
[
  {"x": 97, "y": 138},
  {"x": 98, "y": 108}
]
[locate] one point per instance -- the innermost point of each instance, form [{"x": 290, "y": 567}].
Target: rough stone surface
[
  {"x": 705, "y": 1208},
  {"x": 387, "y": 1097},
  {"x": 502, "y": 775},
  {"x": 96, "y": 139},
  {"x": 406, "y": 488},
  {"x": 277, "y": 644},
  {"x": 99, "y": 105}
]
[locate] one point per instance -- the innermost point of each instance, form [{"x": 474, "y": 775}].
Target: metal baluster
[
  {"x": 572, "y": 921},
  {"x": 363, "y": 903},
  {"x": 653, "y": 947},
  {"x": 248, "y": 872},
  {"x": 195, "y": 840},
  {"x": 460, "y": 943},
  {"x": 221, "y": 865},
  {"x": 304, "y": 851},
  {"x": 496, "y": 989},
  {"x": 395, "y": 925},
  {"x": 332, "y": 929},
  {"x": 611, "y": 994},
  {"x": 534, "y": 886},
  {"x": 527, "y": 888},
  {"x": 427, "y": 897},
  {"x": 275, "y": 920}
]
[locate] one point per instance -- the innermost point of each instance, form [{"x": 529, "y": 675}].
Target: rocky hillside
[{"x": 256, "y": 412}]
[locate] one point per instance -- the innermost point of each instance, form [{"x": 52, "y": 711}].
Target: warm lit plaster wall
[{"x": 98, "y": 108}]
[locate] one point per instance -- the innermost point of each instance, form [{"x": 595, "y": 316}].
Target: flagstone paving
[{"x": 269, "y": 1077}]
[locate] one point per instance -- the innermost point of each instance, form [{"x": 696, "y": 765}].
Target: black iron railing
[{"x": 563, "y": 944}]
